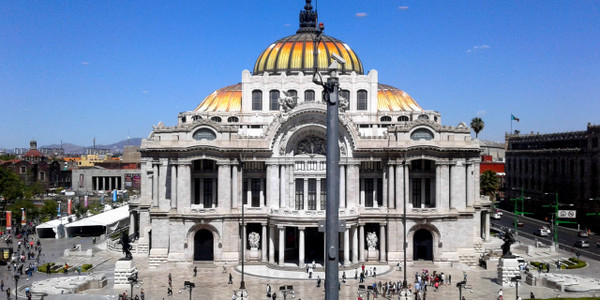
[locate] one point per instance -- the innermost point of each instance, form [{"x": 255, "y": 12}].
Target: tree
[
  {"x": 11, "y": 189},
  {"x": 477, "y": 125},
  {"x": 489, "y": 183},
  {"x": 48, "y": 211}
]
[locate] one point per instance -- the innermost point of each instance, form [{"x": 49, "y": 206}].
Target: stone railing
[{"x": 429, "y": 210}]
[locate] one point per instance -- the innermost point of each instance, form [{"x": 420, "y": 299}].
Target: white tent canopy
[
  {"x": 102, "y": 223},
  {"x": 50, "y": 228}
]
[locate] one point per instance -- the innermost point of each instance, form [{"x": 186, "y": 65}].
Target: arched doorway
[
  {"x": 203, "y": 245},
  {"x": 423, "y": 245}
]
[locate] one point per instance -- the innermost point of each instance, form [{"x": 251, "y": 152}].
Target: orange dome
[
  {"x": 228, "y": 98},
  {"x": 390, "y": 98}
]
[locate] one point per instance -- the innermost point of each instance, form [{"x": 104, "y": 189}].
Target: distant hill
[{"x": 114, "y": 147}]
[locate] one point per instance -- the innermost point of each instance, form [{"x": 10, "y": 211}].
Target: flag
[
  {"x": 512, "y": 117},
  {"x": 23, "y": 220},
  {"x": 8, "y": 220}
]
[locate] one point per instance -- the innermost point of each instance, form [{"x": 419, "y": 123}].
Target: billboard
[{"x": 133, "y": 180}]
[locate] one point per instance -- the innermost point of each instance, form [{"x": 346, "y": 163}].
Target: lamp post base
[
  {"x": 242, "y": 294},
  {"x": 404, "y": 294}
]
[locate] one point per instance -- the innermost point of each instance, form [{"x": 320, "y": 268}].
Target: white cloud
[
  {"x": 480, "y": 113},
  {"x": 402, "y": 7},
  {"x": 478, "y": 48},
  {"x": 361, "y": 14},
  {"x": 85, "y": 63}
]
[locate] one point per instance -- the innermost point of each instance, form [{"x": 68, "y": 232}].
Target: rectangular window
[
  {"x": 245, "y": 192},
  {"x": 368, "y": 192},
  {"x": 196, "y": 190},
  {"x": 207, "y": 193},
  {"x": 380, "y": 192},
  {"x": 416, "y": 192},
  {"x": 22, "y": 170},
  {"x": 255, "y": 192},
  {"x": 42, "y": 176},
  {"x": 299, "y": 203},
  {"x": 361, "y": 100},
  {"x": 274, "y": 100},
  {"x": 324, "y": 194},
  {"x": 428, "y": 200},
  {"x": 312, "y": 194},
  {"x": 309, "y": 96},
  {"x": 256, "y": 100}
]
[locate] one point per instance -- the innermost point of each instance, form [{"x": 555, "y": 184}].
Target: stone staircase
[{"x": 157, "y": 260}]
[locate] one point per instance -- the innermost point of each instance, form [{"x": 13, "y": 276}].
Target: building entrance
[
  {"x": 203, "y": 245},
  {"x": 423, "y": 245},
  {"x": 314, "y": 246}
]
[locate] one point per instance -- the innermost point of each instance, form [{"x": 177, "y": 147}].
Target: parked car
[
  {"x": 582, "y": 244},
  {"x": 582, "y": 233}
]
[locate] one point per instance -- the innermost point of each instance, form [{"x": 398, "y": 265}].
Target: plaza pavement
[{"x": 211, "y": 282}]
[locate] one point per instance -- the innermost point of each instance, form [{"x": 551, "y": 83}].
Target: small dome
[
  {"x": 390, "y": 98},
  {"x": 295, "y": 54},
  {"x": 228, "y": 98}
]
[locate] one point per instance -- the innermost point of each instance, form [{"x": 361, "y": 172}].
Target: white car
[
  {"x": 496, "y": 216},
  {"x": 541, "y": 232}
]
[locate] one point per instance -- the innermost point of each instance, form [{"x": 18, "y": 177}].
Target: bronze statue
[
  {"x": 509, "y": 239},
  {"x": 126, "y": 245}
]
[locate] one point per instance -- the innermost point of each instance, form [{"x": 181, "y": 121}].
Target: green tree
[
  {"x": 48, "y": 210},
  {"x": 489, "y": 183},
  {"x": 36, "y": 188},
  {"x": 11, "y": 189},
  {"x": 477, "y": 124},
  {"x": 30, "y": 209}
]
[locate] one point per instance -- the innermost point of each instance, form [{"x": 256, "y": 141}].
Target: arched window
[
  {"x": 345, "y": 94},
  {"x": 403, "y": 119},
  {"x": 257, "y": 100},
  {"x": 196, "y": 118},
  {"x": 216, "y": 119},
  {"x": 233, "y": 119},
  {"x": 274, "y": 100},
  {"x": 421, "y": 134},
  {"x": 309, "y": 95},
  {"x": 183, "y": 119},
  {"x": 204, "y": 134},
  {"x": 361, "y": 100},
  {"x": 292, "y": 93},
  {"x": 423, "y": 117},
  {"x": 386, "y": 119}
]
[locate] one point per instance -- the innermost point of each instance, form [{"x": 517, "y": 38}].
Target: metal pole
[
  {"x": 460, "y": 292},
  {"x": 190, "y": 293},
  {"x": 333, "y": 190},
  {"x": 16, "y": 286},
  {"x": 404, "y": 283},
  {"x": 556, "y": 221},
  {"x": 517, "y": 291},
  {"x": 242, "y": 283}
]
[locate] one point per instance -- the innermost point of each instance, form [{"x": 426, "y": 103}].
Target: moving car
[
  {"x": 499, "y": 212},
  {"x": 541, "y": 232},
  {"x": 582, "y": 244},
  {"x": 582, "y": 234},
  {"x": 519, "y": 223},
  {"x": 496, "y": 216}
]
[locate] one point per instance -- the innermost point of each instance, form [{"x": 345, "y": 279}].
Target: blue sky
[{"x": 75, "y": 70}]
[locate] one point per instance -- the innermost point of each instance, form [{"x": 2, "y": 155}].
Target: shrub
[
  {"x": 86, "y": 267},
  {"x": 576, "y": 263}
]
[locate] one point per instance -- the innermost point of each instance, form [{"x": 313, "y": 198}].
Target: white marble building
[{"x": 241, "y": 146}]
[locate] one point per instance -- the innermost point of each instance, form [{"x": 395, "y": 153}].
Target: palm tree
[{"x": 477, "y": 125}]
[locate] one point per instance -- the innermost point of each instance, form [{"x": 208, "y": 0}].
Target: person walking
[
  {"x": 170, "y": 280},
  {"x": 142, "y": 295},
  {"x": 195, "y": 271},
  {"x": 230, "y": 279},
  {"x": 268, "y": 290}
]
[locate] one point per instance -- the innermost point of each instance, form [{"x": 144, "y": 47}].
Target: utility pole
[
  {"x": 556, "y": 221},
  {"x": 521, "y": 212}
]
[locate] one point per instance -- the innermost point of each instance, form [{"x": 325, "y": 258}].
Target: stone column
[
  {"x": 347, "y": 246},
  {"x": 262, "y": 192},
  {"x": 155, "y": 185},
  {"x": 249, "y": 192},
  {"x": 444, "y": 201},
  {"x": 458, "y": 188},
  {"x": 391, "y": 187},
  {"x": 301, "y": 247},
  {"x": 361, "y": 187},
  {"x": 97, "y": 183},
  {"x": 486, "y": 228},
  {"x": 132, "y": 222},
  {"x": 352, "y": 185},
  {"x": 382, "y": 243},
  {"x": 184, "y": 183},
  {"x": 174, "y": 186},
  {"x": 470, "y": 185},
  {"x": 342, "y": 186},
  {"x": 263, "y": 243},
  {"x": 162, "y": 185},
  {"x": 438, "y": 185},
  {"x": 235, "y": 187},
  {"x": 407, "y": 187},
  {"x": 272, "y": 185},
  {"x": 354, "y": 244},
  {"x": 213, "y": 182},
  {"x": 281, "y": 245},
  {"x": 318, "y": 193},
  {"x": 224, "y": 180},
  {"x": 400, "y": 187},
  {"x": 110, "y": 185},
  {"x": 283, "y": 184},
  {"x": 244, "y": 240},
  {"x": 272, "y": 244},
  {"x": 476, "y": 182},
  {"x": 361, "y": 243},
  {"x": 384, "y": 187}
]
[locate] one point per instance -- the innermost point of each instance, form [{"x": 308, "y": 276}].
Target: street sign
[{"x": 570, "y": 214}]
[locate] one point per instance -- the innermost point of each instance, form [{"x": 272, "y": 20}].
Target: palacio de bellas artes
[{"x": 257, "y": 148}]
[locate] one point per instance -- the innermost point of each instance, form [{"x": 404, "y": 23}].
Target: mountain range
[{"x": 114, "y": 147}]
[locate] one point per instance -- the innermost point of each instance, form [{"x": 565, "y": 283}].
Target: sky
[{"x": 73, "y": 71}]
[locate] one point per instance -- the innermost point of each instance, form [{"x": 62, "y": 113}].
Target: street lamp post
[
  {"x": 332, "y": 228},
  {"x": 460, "y": 286},
  {"x": 287, "y": 289},
  {"x": 516, "y": 280},
  {"x": 188, "y": 285},
  {"x": 16, "y": 285},
  {"x": 133, "y": 280}
]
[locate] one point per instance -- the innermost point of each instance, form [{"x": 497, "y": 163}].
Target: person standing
[
  {"x": 230, "y": 279},
  {"x": 170, "y": 280},
  {"x": 268, "y": 290},
  {"x": 142, "y": 295},
  {"x": 195, "y": 271}
]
